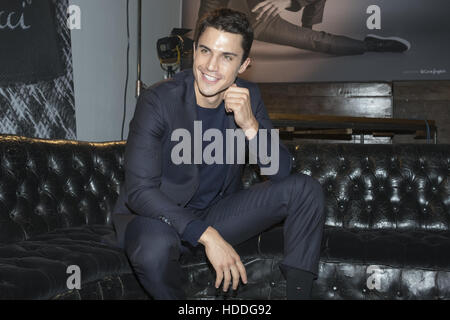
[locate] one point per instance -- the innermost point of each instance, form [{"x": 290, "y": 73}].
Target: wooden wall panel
[
  {"x": 422, "y": 100},
  {"x": 338, "y": 99},
  {"x": 422, "y": 90},
  {"x": 402, "y": 99}
]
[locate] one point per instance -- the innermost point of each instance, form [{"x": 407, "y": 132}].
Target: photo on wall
[{"x": 341, "y": 40}]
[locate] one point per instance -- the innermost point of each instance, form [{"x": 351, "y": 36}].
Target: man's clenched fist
[{"x": 237, "y": 100}]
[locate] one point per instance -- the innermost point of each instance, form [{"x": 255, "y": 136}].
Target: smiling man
[{"x": 168, "y": 209}]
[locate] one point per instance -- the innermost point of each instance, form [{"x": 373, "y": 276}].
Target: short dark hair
[{"x": 228, "y": 20}]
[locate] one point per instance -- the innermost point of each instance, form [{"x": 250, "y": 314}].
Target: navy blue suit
[{"x": 151, "y": 213}]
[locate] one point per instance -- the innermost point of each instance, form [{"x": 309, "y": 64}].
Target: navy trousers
[{"x": 154, "y": 248}]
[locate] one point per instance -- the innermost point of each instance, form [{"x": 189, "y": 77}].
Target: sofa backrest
[
  {"x": 380, "y": 186},
  {"x": 50, "y": 184}
]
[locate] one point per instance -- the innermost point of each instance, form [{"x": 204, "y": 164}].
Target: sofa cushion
[
  {"x": 406, "y": 249},
  {"x": 37, "y": 268},
  {"x": 409, "y": 249}
]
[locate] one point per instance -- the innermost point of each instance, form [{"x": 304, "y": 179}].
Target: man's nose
[{"x": 212, "y": 63}]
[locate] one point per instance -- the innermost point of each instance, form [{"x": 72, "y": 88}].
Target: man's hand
[
  {"x": 223, "y": 258},
  {"x": 237, "y": 100},
  {"x": 271, "y": 8}
]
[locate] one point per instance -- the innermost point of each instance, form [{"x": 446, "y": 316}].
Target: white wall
[{"x": 99, "y": 60}]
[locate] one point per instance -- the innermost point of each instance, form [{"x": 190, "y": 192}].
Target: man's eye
[
  {"x": 228, "y": 58},
  {"x": 204, "y": 51}
]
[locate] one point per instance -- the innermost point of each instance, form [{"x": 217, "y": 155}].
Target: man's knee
[
  {"x": 150, "y": 243},
  {"x": 304, "y": 185}
]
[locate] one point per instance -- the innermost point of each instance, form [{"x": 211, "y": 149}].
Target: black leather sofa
[{"x": 386, "y": 235}]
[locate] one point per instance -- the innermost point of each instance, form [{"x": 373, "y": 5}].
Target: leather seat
[
  {"x": 37, "y": 268},
  {"x": 386, "y": 232}
]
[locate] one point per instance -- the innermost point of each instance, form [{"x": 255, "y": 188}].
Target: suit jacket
[{"x": 156, "y": 187}]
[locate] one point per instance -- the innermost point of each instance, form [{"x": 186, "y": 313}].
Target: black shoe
[{"x": 386, "y": 44}]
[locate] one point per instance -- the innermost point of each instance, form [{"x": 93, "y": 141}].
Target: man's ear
[{"x": 244, "y": 65}]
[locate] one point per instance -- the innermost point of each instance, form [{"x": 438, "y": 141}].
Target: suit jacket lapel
[{"x": 190, "y": 115}]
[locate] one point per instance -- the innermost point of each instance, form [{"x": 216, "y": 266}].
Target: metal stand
[{"x": 139, "y": 84}]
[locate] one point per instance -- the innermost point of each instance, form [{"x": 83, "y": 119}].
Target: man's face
[{"x": 217, "y": 62}]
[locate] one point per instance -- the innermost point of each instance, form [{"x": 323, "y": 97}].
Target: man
[
  {"x": 176, "y": 208},
  {"x": 264, "y": 15}
]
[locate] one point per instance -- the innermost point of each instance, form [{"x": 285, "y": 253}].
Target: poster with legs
[{"x": 341, "y": 40}]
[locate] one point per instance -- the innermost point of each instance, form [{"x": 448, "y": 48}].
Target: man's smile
[{"x": 209, "y": 79}]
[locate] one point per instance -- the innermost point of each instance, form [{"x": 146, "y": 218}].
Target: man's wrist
[
  {"x": 206, "y": 236},
  {"x": 252, "y": 130},
  {"x": 193, "y": 231}
]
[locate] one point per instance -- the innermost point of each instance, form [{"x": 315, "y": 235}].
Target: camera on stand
[{"x": 173, "y": 50}]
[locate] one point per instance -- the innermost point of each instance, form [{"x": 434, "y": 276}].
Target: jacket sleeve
[
  {"x": 143, "y": 166},
  {"x": 284, "y": 156}
]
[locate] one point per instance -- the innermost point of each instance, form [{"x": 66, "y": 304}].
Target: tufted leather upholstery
[{"x": 386, "y": 236}]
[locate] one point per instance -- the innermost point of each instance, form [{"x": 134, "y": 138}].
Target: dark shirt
[{"x": 211, "y": 176}]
